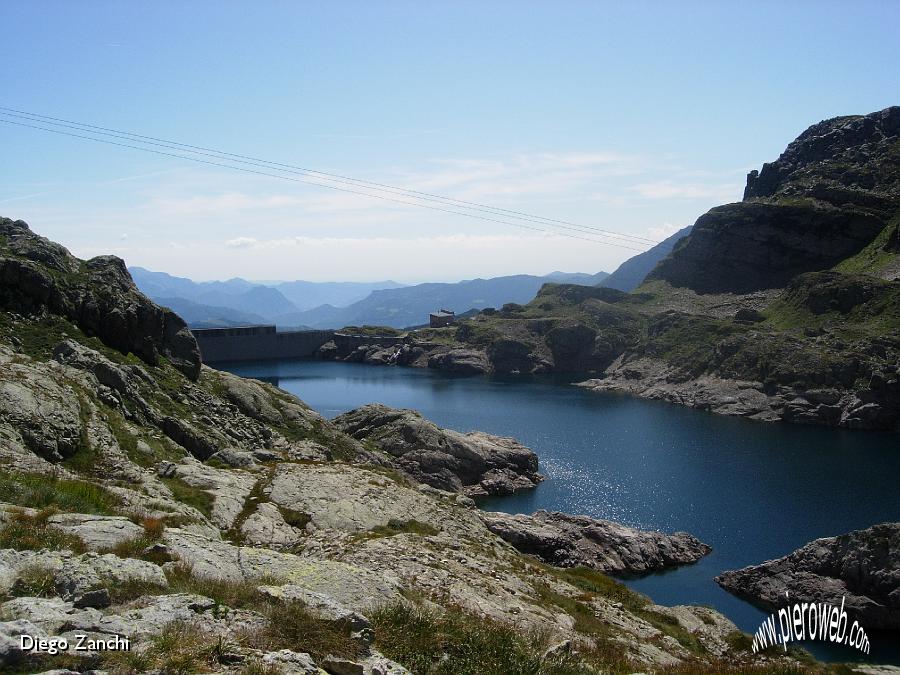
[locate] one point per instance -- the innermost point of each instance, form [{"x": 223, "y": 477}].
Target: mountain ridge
[
  {"x": 784, "y": 307},
  {"x": 224, "y": 526}
]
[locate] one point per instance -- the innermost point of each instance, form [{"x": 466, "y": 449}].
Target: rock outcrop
[
  {"x": 474, "y": 463},
  {"x": 827, "y": 197},
  {"x": 579, "y": 541},
  {"x": 863, "y": 567},
  {"x": 37, "y": 275}
]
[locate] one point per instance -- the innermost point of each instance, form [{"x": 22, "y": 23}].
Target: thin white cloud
[
  {"x": 668, "y": 189},
  {"x": 242, "y": 242},
  {"x": 663, "y": 231}
]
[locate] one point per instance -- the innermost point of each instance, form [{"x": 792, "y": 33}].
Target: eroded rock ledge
[
  {"x": 475, "y": 463},
  {"x": 579, "y": 541},
  {"x": 862, "y": 566}
]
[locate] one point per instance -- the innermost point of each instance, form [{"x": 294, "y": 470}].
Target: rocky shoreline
[
  {"x": 579, "y": 541},
  {"x": 224, "y": 526},
  {"x": 861, "y": 567},
  {"x": 826, "y": 406}
]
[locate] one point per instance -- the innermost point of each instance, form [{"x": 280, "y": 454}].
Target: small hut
[{"x": 442, "y": 318}]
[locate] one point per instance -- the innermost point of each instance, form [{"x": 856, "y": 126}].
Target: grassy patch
[
  {"x": 234, "y": 594},
  {"x": 190, "y": 495},
  {"x": 291, "y": 624},
  {"x": 875, "y": 256},
  {"x": 456, "y": 642},
  {"x": 87, "y": 457},
  {"x": 594, "y": 583},
  {"x": 851, "y": 305},
  {"x": 41, "y": 491},
  {"x": 142, "y": 546},
  {"x": 375, "y": 331},
  {"x": 34, "y": 582},
  {"x": 23, "y": 532},
  {"x": 256, "y": 667},
  {"x": 181, "y": 647},
  {"x": 158, "y": 450},
  {"x": 395, "y": 527},
  {"x": 688, "y": 341}
]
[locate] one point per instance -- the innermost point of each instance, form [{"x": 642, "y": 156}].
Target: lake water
[{"x": 753, "y": 491}]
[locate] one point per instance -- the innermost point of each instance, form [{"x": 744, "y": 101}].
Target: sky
[{"x": 628, "y": 117}]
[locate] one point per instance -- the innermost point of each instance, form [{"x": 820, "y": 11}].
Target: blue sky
[{"x": 634, "y": 117}]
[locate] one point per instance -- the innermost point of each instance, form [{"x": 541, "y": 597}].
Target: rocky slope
[
  {"x": 225, "y": 527},
  {"x": 785, "y": 306},
  {"x": 862, "y": 566},
  {"x": 37, "y": 275}
]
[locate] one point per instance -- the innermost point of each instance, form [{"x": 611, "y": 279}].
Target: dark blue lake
[{"x": 751, "y": 490}]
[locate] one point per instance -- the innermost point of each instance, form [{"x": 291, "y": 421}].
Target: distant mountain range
[
  {"x": 295, "y": 304},
  {"x": 410, "y": 306},
  {"x": 208, "y": 304}
]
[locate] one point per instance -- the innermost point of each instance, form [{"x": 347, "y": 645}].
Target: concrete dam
[{"x": 266, "y": 342}]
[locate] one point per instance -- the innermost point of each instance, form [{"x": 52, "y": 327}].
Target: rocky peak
[
  {"x": 38, "y": 276},
  {"x": 828, "y": 196},
  {"x": 855, "y": 153}
]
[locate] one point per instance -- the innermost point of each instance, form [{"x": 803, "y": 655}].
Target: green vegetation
[
  {"x": 235, "y": 594},
  {"x": 852, "y": 306},
  {"x": 159, "y": 450},
  {"x": 181, "y": 648},
  {"x": 141, "y": 546},
  {"x": 340, "y": 446},
  {"x": 290, "y": 624},
  {"x": 24, "y": 532},
  {"x": 477, "y": 332},
  {"x": 874, "y": 257},
  {"x": 190, "y": 495},
  {"x": 86, "y": 457},
  {"x": 40, "y": 491},
  {"x": 458, "y": 643},
  {"x": 690, "y": 342},
  {"x": 375, "y": 331},
  {"x": 35, "y": 582},
  {"x": 395, "y": 527},
  {"x": 254, "y": 498}
]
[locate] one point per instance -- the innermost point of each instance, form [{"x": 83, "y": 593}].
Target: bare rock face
[
  {"x": 462, "y": 361},
  {"x": 475, "y": 463},
  {"x": 579, "y": 541},
  {"x": 828, "y": 195},
  {"x": 862, "y": 566},
  {"x": 98, "y": 295}
]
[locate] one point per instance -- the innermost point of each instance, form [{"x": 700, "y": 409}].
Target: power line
[
  {"x": 252, "y": 161},
  {"x": 445, "y": 201},
  {"x": 307, "y": 182},
  {"x": 330, "y": 176}
]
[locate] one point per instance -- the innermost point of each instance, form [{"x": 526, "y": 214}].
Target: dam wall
[{"x": 265, "y": 342}]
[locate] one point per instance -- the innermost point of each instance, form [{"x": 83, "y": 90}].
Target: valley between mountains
[{"x": 224, "y": 526}]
